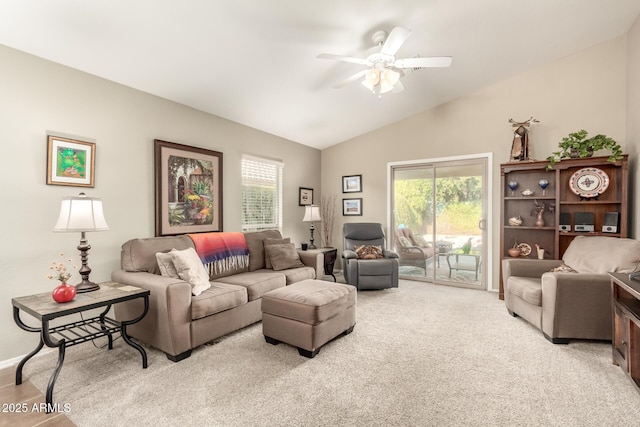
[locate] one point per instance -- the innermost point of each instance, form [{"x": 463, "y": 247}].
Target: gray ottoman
[{"x": 308, "y": 314}]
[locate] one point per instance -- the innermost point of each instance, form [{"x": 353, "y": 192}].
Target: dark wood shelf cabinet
[
  {"x": 625, "y": 346},
  {"x": 550, "y": 237}
]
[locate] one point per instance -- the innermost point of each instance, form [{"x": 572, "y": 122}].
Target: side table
[
  {"x": 330, "y": 255},
  {"x": 625, "y": 344},
  {"x": 457, "y": 264},
  {"x": 44, "y": 308}
]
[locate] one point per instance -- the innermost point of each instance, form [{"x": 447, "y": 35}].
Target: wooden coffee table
[{"x": 44, "y": 308}]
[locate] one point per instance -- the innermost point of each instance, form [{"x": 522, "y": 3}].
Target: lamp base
[
  {"x": 312, "y": 247},
  {"x": 86, "y": 286}
]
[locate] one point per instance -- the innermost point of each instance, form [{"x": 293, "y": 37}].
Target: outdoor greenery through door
[{"x": 438, "y": 213}]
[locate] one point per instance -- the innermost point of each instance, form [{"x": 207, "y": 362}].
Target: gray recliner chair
[{"x": 378, "y": 273}]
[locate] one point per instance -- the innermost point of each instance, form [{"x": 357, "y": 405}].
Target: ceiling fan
[{"x": 383, "y": 69}]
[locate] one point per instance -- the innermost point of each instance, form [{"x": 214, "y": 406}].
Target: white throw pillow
[
  {"x": 191, "y": 270},
  {"x": 165, "y": 264}
]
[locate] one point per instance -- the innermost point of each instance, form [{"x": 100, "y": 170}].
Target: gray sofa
[
  {"x": 178, "y": 321},
  {"x": 574, "y": 301}
]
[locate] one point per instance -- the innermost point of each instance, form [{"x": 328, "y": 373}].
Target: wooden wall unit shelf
[{"x": 549, "y": 237}]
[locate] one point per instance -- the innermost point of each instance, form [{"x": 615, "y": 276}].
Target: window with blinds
[{"x": 261, "y": 194}]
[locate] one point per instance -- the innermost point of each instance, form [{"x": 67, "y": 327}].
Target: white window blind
[{"x": 261, "y": 194}]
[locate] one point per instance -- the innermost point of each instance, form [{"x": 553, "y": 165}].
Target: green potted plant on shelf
[{"x": 577, "y": 145}]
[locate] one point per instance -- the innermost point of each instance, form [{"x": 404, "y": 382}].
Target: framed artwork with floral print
[{"x": 188, "y": 189}]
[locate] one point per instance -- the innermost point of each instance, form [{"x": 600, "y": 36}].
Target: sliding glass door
[{"x": 438, "y": 217}]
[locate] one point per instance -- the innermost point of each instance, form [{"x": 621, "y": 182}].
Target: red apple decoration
[{"x": 64, "y": 293}]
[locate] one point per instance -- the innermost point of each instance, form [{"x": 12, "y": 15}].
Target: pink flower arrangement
[{"x": 60, "y": 271}]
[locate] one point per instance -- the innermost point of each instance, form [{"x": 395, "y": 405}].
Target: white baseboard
[{"x": 13, "y": 362}]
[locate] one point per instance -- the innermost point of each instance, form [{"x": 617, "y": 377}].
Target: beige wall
[
  {"x": 586, "y": 90},
  {"x": 37, "y": 96},
  {"x": 633, "y": 120}
]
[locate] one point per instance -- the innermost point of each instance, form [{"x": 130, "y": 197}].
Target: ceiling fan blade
[
  {"x": 341, "y": 58},
  {"x": 350, "y": 79},
  {"x": 398, "y": 87},
  {"x": 396, "y": 39},
  {"x": 434, "y": 61}
]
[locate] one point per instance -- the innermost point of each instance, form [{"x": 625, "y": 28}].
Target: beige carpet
[{"x": 420, "y": 355}]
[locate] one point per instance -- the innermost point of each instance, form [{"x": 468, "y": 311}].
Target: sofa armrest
[
  {"x": 527, "y": 267},
  {"x": 167, "y": 323},
  {"x": 313, "y": 259},
  {"x": 576, "y": 305}
]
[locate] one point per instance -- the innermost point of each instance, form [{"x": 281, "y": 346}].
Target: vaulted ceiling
[{"x": 255, "y": 61}]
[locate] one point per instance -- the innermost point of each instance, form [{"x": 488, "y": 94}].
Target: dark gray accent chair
[{"x": 368, "y": 273}]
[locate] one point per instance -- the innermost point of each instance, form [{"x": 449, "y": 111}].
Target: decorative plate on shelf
[
  {"x": 525, "y": 249},
  {"x": 589, "y": 182}
]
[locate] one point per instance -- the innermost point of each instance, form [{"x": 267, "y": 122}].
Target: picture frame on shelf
[
  {"x": 70, "y": 162},
  {"x": 352, "y": 207},
  {"x": 188, "y": 189},
  {"x": 352, "y": 184},
  {"x": 305, "y": 196}
]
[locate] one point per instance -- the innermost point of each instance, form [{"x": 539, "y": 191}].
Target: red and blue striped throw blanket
[{"x": 222, "y": 251}]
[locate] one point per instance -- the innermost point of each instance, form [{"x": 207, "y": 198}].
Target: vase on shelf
[
  {"x": 514, "y": 252},
  {"x": 540, "y": 220},
  {"x": 543, "y": 183},
  {"x": 64, "y": 293}
]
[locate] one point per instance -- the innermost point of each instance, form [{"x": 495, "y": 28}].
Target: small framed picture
[
  {"x": 305, "y": 196},
  {"x": 70, "y": 162},
  {"x": 352, "y": 207},
  {"x": 352, "y": 184}
]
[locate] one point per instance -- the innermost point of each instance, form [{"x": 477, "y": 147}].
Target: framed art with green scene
[{"x": 70, "y": 162}]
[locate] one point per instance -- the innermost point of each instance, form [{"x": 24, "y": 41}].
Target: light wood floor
[{"x": 25, "y": 395}]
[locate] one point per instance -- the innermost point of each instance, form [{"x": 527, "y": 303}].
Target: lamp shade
[
  {"x": 81, "y": 213},
  {"x": 311, "y": 213}
]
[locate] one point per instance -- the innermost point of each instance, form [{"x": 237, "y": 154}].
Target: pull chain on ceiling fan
[{"x": 384, "y": 70}]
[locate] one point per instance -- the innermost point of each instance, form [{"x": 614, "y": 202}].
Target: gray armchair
[
  {"x": 572, "y": 304},
  {"x": 378, "y": 273}
]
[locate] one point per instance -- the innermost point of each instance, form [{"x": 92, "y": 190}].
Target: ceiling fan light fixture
[
  {"x": 381, "y": 81},
  {"x": 384, "y": 70},
  {"x": 391, "y": 77},
  {"x": 373, "y": 76}
]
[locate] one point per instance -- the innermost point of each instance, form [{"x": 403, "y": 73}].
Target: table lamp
[
  {"x": 82, "y": 213},
  {"x": 311, "y": 214}
]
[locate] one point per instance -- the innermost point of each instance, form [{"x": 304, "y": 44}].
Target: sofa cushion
[
  {"x": 140, "y": 254},
  {"x": 404, "y": 241},
  {"x": 527, "y": 288},
  {"x": 190, "y": 269},
  {"x": 283, "y": 256},
  {"x": 219, "y": 297},
  {"x": 256, "y": 247},
  {"x": 165, "y": 263},
  {"x": 257, "y": 282},
  {"x": 267, "y": 242},
  {"x": 299, "y": 274},
  {"x": 602, "y": 254}
]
